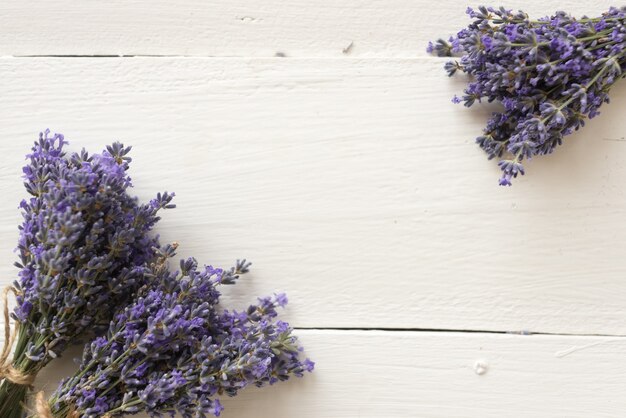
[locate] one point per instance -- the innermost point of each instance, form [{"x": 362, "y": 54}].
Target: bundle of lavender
[
  {"x": 89, "y": 265},
  {"x": 171, "y": 351},
  {"x": 84, "y": 246},
  {"x": 549, "y": 74}
]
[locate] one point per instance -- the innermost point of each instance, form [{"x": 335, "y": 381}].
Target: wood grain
[
  {"x": 350, "y": 180},
  {"x": 354, "y": 185},
  {"x": 322, "y": 28},
  {"x": 438, "y": 375}
]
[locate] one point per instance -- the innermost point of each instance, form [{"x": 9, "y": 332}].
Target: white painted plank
[
  {"x": 438, "y": 375},
  {"x": 352, "y": 184},
  {"x": 321, "y": 28}
]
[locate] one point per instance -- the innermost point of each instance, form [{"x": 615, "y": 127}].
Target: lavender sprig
[
  {"x": 549, "y": 74},
  {"x": 171, "y": 350},
  {"x": 84, "y": 247}
]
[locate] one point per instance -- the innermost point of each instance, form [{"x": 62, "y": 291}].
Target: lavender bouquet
[
  {"x": 84, "y": 248},
  {"x": 171, "y": 351},
  {"x": 549, "y": 74}
]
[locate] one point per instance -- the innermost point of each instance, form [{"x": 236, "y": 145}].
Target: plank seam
[
  {"x": 450, "y": 330},
  {"x": 393, "y": 58}
]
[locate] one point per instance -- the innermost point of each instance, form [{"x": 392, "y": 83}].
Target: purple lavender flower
[
  {"x": 172, "y": 351},
  {"x": 84, "y": 249},
  {"x": 550, "y": 74}
]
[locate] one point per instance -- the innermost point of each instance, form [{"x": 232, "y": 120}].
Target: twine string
[
  {"x": 41, "y": 406},
  {"x": 7, "y": 371}
]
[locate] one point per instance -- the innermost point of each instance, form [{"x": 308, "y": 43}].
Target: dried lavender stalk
[
  {"x": 171, "y": 351},
  {"x": 84, "y": 248},
  {"x": 549, "y": 74}
]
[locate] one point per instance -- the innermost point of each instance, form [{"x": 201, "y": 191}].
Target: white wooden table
[{"x": 317, "y": 139}]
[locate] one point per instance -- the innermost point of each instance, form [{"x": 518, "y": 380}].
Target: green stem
[
  {"x": 121, "y": 408},
  {"x": 571, "y": 99},
  {"x": 590, "y": 83},
  {"x": 544, "y": 22},
  {"x": 598, "y": 35},
  {"x": 12, "y": 399},
  {"x": 112, "y": 386},
  {"x": 12, "y": 395}
]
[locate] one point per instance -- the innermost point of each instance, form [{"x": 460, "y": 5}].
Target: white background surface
[{"x": 345, "y": 174}]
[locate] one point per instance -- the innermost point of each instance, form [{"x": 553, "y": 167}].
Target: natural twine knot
[
  {"x": 7, "y": 371},
  {"x": 41, "y": 406}
]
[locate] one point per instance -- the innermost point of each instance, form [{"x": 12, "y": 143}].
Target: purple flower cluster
[
  {"x": 89, "y": 265},
  {"x": 172, "y": 351},
  {"x": 549, "y": 74},
  {"x": 84, "y": 247}
]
